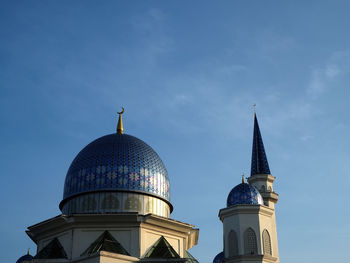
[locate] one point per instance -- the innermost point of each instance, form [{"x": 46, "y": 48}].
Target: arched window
[
  {"x": 250, "y": 245},
  {"x": 266, "y": 242},
  {"x": 89, "y": 204},
  {"x": 232, "y": 243},
  {"x": 110, "y": 201},
  {"x": 132, "y": 203}
]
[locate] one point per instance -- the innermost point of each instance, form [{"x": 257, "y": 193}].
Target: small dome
[
  {"x": 244, "y": 194},
  {"x": 219, "y": 258},
  {"x": 26, "y": 257}
]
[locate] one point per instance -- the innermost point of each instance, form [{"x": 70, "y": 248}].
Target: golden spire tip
[
  {"x": 243, "y": 179},
  {"x": 120, "y": 129}
]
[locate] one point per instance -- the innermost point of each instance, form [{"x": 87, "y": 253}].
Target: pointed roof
[
  {"x": 105, "y": 242},
  {"x": 161, "y": 249},
  {"x": 191, "y": 259},
  {"x": 52, "y": 250},
  {"x": 259, "y": 159}
]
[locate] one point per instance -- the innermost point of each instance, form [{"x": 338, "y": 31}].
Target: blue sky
[{"x": 187, "y": 73}]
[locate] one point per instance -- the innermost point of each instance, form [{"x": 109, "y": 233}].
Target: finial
[
  {"x": 28, "y": 251},
  {"x": 120, "y": 129},
  {"x": 254, "y": 105},
  {"x": 243, "y": 179}
]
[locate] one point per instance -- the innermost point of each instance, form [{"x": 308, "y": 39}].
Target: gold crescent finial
[
  {"x": 120, "y": 129},
  {"x": 121, "y": 111}
]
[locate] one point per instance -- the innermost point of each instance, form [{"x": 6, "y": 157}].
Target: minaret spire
[
  {"x": 259, "y": 159},
  {"x": 120, "y": 129}
]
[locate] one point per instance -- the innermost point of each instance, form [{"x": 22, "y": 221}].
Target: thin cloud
[{"x": 324, "y": 77}]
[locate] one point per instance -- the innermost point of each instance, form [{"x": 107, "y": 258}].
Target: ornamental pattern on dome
[
  {"x": 117, "y": 162},
  {"x": 244, "y": 194}
]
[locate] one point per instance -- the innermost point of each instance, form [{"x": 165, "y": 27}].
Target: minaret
[
  {"x": 261, "y": 178},
  {"x": 249, "y": 223},
  {"x": 260, "y": 175}
]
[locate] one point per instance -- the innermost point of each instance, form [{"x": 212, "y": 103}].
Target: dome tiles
[
  {"x": 117, "y": 163},
  {"x": 244, "y": 194}
]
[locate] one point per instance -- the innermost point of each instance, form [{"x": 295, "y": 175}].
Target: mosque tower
[
  {"x": 115, "y": 208},
  {"x": 249, "y": 223}
]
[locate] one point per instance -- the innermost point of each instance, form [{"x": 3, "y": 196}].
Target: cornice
[
  {"x": 245, "y": 209},
  {"x": 258, "y": 177},
  {"x": 63, "y": 223}
]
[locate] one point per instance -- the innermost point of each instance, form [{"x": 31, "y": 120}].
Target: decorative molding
[{"x": 245, "y": 209}]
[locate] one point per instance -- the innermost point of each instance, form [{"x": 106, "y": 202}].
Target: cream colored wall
[
  {"x": 258, "y": 220},
  {"x": 76, "y": 241},
  {"x": 135, "y": 240},
  {"x": 269, "y": 223},
  {"x": 107, "y": 257},
  {"x": 239, "y": 223},
  {"x": 136, "y": 233}
]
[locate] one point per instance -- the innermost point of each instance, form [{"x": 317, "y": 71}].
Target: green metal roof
[
  {"x": 105, "y": 242},
  {"x": 190, "y": 258},
  {"x": 52, "y": 250},
  {"x": 161, "y": 249}
]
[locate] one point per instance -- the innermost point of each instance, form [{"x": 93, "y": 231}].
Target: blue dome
[
  {"x": 244, "y": 194},
  {"x": 26, "y": 257},
  {"x": 219, "y": 258},
  {"x": 119, "y": 163}
]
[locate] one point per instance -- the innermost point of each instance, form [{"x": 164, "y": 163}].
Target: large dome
[
  {"x": 114, "y": 173},
  {"x": 244, "y": 194}
]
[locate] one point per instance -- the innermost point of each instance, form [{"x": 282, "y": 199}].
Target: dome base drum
[{"x": 116, "y": 202}]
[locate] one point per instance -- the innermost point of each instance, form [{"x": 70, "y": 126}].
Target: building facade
[{"x": 116, "y": 208}]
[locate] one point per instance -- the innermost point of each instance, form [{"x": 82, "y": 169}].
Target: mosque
[{"x": 116, "y": 208}]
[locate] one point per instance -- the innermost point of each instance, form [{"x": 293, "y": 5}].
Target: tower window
[
  {"x": 232, "y": 243},
  {"x": 250, "y": 244},
  {"x": 266, "y": 242}
]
